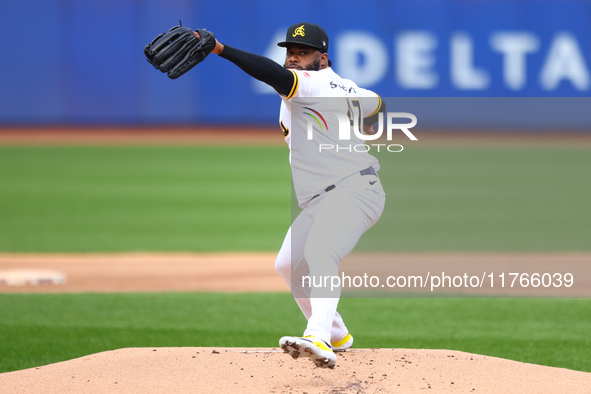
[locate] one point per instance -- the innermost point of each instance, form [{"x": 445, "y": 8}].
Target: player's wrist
[{"x": 219, "y": 48}]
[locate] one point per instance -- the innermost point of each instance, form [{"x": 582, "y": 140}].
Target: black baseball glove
[{"x": 179, "y": 50}]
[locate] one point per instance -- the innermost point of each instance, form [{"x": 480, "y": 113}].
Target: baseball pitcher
[{"x": 338, "y": 190}]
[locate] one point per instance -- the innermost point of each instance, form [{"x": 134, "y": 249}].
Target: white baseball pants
[{"x": 322, "y": 235}]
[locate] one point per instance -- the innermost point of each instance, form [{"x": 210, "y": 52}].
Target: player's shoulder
[
  {"x": 326, "y": 82},
  {"x": 309, "y": 83}
]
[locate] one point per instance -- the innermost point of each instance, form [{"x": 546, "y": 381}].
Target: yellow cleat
[{"x": 343, "y": 344}]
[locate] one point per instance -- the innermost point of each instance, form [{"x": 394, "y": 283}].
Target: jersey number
[{"x": 354, "y": 113}]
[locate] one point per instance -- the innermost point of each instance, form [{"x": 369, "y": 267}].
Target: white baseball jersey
[{"x": 314, "y": 164}]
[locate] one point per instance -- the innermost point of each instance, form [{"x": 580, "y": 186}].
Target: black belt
[{"x": 367, "y": 171}]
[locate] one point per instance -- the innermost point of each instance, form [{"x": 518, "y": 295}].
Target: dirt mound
[{"x": 250, "y": 370}]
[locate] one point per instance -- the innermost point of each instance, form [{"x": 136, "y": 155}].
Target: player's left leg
[
  {"x": 290, "y": 263},
  {"x": 340, "y": 218}
]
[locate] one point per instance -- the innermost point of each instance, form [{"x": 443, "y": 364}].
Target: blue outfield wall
[{"x": 82, "y": 62}]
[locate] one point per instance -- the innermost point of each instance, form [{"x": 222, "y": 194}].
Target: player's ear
[{"x": 324, "y": 61}]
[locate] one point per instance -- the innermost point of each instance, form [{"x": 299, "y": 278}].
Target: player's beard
[{"x": 314, "y": 66}]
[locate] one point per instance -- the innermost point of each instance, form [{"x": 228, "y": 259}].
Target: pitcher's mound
[{"x": 251, "y": 370}]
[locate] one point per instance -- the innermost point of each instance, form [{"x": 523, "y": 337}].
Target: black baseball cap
[{"x": 306, "y": 34}]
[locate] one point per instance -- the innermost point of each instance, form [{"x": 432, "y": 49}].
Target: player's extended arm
[{"x": 259, "y": 67}]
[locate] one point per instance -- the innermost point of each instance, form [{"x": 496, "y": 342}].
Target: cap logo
[{"x": 299, "y": 31}]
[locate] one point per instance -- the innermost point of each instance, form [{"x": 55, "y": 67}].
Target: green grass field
[
  {"x": 93, "y": 199},
  {"x": 39, "y": 329},
  {"x": 109, "y": 199},
  {"x": 96, "y": 199}
]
